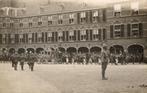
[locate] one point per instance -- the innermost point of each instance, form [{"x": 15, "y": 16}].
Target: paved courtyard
[{"x": 55, "y": 78}]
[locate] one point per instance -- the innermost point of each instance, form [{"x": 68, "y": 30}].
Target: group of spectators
[{"x": 95, "y": 58}]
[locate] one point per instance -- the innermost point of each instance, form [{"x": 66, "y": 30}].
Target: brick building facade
[{"x": 123, "y": 27}]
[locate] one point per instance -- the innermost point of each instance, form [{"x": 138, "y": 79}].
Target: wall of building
[{"x": 19, "y": 32}]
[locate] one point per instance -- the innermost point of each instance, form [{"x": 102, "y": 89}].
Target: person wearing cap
[{"x": 104, "y": 60}]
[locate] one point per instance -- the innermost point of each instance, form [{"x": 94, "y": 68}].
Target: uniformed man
[
  {"x": 22, "y": 63},
  {"x": 31, "y": 61},
  {"x": 32, "y": 65},
  {"x": 14, "y": 63},
  {"x": 104, "y": 60}
]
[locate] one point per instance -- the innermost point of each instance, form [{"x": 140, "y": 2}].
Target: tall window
[
  {"x": 1, "y": 39},
  {"x": 71, "y": 35},
  {"x": 50, "y": 19},
  {"x": 117, "y": 10},
  {"x": 30, "y": 38},
  {"x": 118, "y": 31},
  {"x": 83, "y": 17},
  {"x": 83, "y": 35},
  {"x": 95, "y": 16},
  {"x": 71, "y": 18},
  {"x": 49, "y": 37},
  {"x": 39, "y": 21},
  {"x": 60, "y": 36},
  {"x": 30, "y": 22},
  {"x": 11, "y": 23},
  {"x": 60, "y": 20},
  {"x": 21, "y": 25},
  {"x": 96, "y": 34},
  {"x": 135, "y": 8},
  {"x": 135, "y": 30},
  {"x": 21, "y": 38},
  {"x": 39, "y": 37},
  {"x": 4, "y": 24}
]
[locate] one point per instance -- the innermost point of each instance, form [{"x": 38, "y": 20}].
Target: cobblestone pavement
[{"x": 73, "y": 79}]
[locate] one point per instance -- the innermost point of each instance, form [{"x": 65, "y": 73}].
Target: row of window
[
  {"x": 80, "y": 17},
  {"x": 133, "y": 30},
  {"x": 116, "y": 31},
  {"x": 46, "y": 37}
]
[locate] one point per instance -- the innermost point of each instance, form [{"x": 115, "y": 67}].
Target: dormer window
[
  {"x": 135, "y": 8},
  {"x": 117, "y": 10}
]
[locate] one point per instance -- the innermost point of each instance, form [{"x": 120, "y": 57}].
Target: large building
[{"x": 122, "y": 26}]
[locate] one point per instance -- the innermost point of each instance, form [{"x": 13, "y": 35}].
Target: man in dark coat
[
  {"x": 14, "y": 63},
  {"x": 22, "y": 63},
  {"x": 104, "y": 59}
]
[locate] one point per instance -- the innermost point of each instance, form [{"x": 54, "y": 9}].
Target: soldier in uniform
[
  {"x": 32, "y": 65},
  {"x": 104, "y": 60},
  {"x": 31, "y": 61},
  {"x": 14, "y": 63},
  {"x": 22, "y": 63}
]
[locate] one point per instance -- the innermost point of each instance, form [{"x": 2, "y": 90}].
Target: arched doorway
[
  {"x": 134, "y": 49},
  {"x": 61, "y": 49},
  {"x": 95, "y": 50},
  {"x": 31, "y": 50},
  {"x": 21, "y": 50},
  {"x": 11, "y": 51},
  {"x": 71, "y": 50},
  {"x": 116, "y": 49},
  {"x": 83, "y": 50},
  {"x": 137, "y": 52},
  {"x": 39, "y": 50}
]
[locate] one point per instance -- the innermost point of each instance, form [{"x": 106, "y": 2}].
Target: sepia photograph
[{"x": 73, "y": 46}]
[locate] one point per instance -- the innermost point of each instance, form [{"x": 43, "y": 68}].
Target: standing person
[
  {"x": 12, "y": 59},
  {"x": 22, "y": 63},
  {"x": 32, "y": 65},
  {"x": 15, "y": 62},
  {"x": 104, "y": 60},
  {"x": 31, "y": 61},
  {"x": 67, "y": 60}
]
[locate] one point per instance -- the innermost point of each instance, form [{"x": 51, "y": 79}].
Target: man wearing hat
[{"x": 104, "y": 59}]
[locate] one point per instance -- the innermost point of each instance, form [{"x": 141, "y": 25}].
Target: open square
[{"x": 55, "y": 78}]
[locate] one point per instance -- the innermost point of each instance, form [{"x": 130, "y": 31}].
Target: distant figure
[
  {"x": 14, "y": 63},
  {"x": 22, "y": 64},
  {"x": 32, "y": 65},
  {"x": 31, "y": 62},
  {"x": 90, "y": 60},
  {"x": 116, "y": 60},
  {"x": 104, "y": 60},
  {"x": 67, "y": 60}
]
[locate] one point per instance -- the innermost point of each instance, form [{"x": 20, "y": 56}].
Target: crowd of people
[
  {"x": 102, "y": 58},
  {"x": 19, "y": 59},
  {"x": 95, "y": 58}
]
